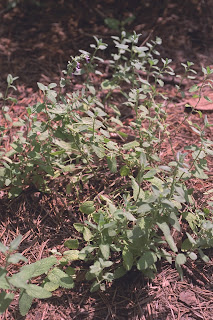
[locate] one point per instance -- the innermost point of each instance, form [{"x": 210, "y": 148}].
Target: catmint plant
[{"x": 79, "y": 133}]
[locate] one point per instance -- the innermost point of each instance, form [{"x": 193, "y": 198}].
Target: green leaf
[
  {"x": 140, "y": 49},
  {"x": 7, "y": 117},
  {"x": 14, "y": 192},
  {"x": 7, "y": 182},
  {"x": 71, "y": 243},
  {"x": 142, "y": 159},
  {"x": 105, "y": 264},
  {"x": 79, "y": 227},
  {"x": 192, "y": 241},
  {"x": 194, "y": 88},
  {"x": 180, "y": 271},
  {"x": 150, "y": 174},
  {"x": 167, "y": 256},
  {"x": 37, "y": 292},
  {"x": 122, "y": 46},
  {"x": 119, "y": 272},
  {"x": 161, "y": 83},
  {"x": 97, "y": 217},
  {"x": 108, "y": 276},
  {"x": 127, "y": 258},
  {"x": 3, "y": 282},
  {"x": 70, "y": 271},
  {"x": 25, "y": 302},
  {"x": 52, "y": 85},
  {"x": 157, "y": 182},
  {"x": 109, "y": 85},
  {"x": 207, "y": 225},
  {"x": 61, "y": 278},
  {"x": 166, "y": 168},
  {"x": 149, "y": 273},
  {"x": 95, "y": 286},
  {"x": 166, "y": 231},
  {"x": 183, "y": 196},
  {"x": 70, "y": 255},
  {"x": 92, "y": 225},
  {"x": 50, "y": 286},
  {"x": 3, "y": 248},
  {"x": 192, "y": 256},
  {"x": 37, "y": 268},
  {"x": 122, "y": 134},
  {"x": 131, "y": 145},
  {"x": 199, "y": 173},
  {"x": 138, "y": 193},
  {"x": 90, "y": 276},
  {"x": 16, "y": 257},
  {"x": 18, "y": 123},
  {"x": 42, "y": 87},
  {"x": 5, "y": 301},
  {"x": 173, "y": 220},
  {"x": 124, "y": 171},
  {"x": 91, "y": 89},
  {"x": 105, "y": 250},
  {"x": 99, "y": 151},
  {"x": 67, "y": 146},
  {"x": 96, "y": 268},
  {"x": 180, "y": 259},
  {"x": 129, "y": 216},
  {"x": 121, "y": 214},
  {"x": 204, "y": 257},
  {"x": 144, "y": 208},
  {"x": 112, "y": 145},
  {"x": 186, "y": 245},
  {"x": 87, "y": 234},
  {"x": 191, "y": 219},
  {"x": 146, "y": 260},
  {"x": 86, "y": 250},
  {"x": 18, "y": 280},
  {"x": 9, "y": 79},
  {"x": 112, "y": 164},
  {"x": 87, "y": 207}
]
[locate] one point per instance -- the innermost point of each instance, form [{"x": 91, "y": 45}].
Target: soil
[{"x": 37, "y": 39}]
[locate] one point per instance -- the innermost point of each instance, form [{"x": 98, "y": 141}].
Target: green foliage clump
[
  {"x": 77, "y": 138},
  {"x": 22, "y": 281}
]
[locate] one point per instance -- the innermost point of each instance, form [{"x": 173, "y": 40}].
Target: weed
[{"x": 76, "y": 138}]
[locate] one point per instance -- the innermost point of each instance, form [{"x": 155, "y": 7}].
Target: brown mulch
[{"x": 35, "y": 44}]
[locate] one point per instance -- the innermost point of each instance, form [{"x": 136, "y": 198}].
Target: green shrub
[{"x": 76, "y": 138}]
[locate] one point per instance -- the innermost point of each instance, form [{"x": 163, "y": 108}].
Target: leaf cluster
[
  {"x": 73, "y": 134},
  {"x": 22, "y": 281}
]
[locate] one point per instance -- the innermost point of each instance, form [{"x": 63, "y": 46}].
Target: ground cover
[{"x": 46, "y": 218}]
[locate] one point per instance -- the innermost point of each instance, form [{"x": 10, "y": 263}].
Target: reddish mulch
[{"x": 35, "y": 44}]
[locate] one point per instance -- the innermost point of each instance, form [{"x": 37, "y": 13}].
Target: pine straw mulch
[{"x": 46, "y": 220}]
